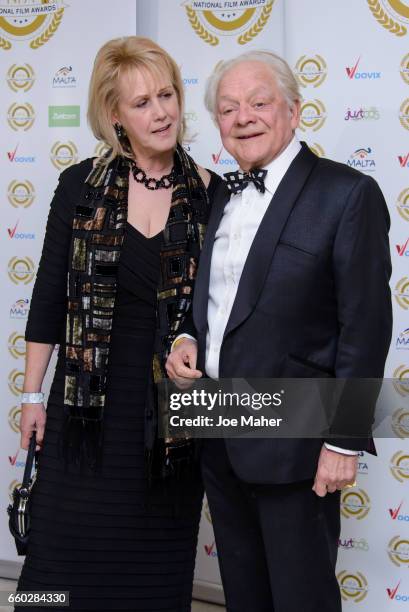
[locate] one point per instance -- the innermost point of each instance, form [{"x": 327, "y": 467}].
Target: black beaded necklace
[{"x": 164, "y": 182}]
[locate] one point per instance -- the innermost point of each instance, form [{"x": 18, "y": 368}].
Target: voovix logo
[
  {"x": 395, "y": 513},
  {"x": 402, "y": 249},
  {"x": 404, "y": 160},
  {"x": 352, "y": 72},
  {"x": 226, "y": 161},
  {"x": 395, "y": 595}
]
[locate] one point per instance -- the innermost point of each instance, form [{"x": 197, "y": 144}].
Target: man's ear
[{"x": 295, "y": 113}]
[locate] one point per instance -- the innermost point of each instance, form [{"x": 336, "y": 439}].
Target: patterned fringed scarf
[{"x": 98, "y": 232}]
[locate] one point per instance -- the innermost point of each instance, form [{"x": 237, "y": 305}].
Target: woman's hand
[{"x": 33, "y": 418}]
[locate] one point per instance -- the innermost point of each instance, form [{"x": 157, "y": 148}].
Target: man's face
[{"x": 255, "y": 121}]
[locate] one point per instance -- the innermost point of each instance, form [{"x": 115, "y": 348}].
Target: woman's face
[{"x": 149, "y": 111}]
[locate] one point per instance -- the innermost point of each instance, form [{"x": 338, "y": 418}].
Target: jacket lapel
[
  {"x": 201, "y": 295},
  {"x": 267, "y": 236}
]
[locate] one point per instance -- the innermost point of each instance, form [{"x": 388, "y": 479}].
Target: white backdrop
[{"x": 352, "y": 59}]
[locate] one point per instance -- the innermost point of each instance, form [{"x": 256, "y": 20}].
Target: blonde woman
[{"x": 114, "y": 284}]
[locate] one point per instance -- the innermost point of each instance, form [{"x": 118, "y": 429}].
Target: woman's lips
[{"x": 163, "y": 129}]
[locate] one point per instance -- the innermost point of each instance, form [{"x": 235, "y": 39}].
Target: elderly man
[{"x": 292, "y": 282}]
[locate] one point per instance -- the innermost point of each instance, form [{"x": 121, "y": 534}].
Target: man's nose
[{"x": 245, "y": 115}]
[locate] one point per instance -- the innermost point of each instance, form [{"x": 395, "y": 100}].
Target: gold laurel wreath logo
[
  {"x": 401, "y": 380},
  {"x": 199, "y": 29},
  {"x": 355, "y": 503},
  {"x": 17, "y": 345},
  {"x": 20, "y": 83},
  {"x": 383, "y": 18},
  {"x": 317, "y": 149},
  {"x": 313, "y": 115},
  {"x": 315, "y": 78},
  {"x": 398, "y": 551},
  {"x": 15, "y": 382},
  {"x": 14, "y": 418},
  {"x": 48, "y": 32},
  {"x": 352, "y": 586},
  {"x": 4, "y": 44},
  {"x": 404, "y": 114},
  {"x": 399, "y": 466},
  {"x": 404, "y": 68},
  {"x": 403, "y": 204},
  {"x": 258, "y": 26},
  {"x": 402, "y": 292},
  {"x": 400, "y": 423},
  {"x": 21, "y": 193}
]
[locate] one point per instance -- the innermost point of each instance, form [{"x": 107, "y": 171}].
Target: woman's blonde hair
[{"x": 115, "y": 58}]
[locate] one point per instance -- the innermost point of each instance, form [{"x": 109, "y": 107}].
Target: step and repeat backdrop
[{"x": 352, "y": 61}]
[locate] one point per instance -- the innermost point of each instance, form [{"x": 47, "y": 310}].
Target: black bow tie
[{"x": 237, "y": 181}]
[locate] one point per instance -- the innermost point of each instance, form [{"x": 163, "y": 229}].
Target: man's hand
[
  {"x": 181, "y": 363},
  {"x": 335, "y": 471},
  {"x": 33, "y": 418}
]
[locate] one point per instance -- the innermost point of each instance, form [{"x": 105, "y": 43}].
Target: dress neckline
[{"x": 139, "y": 233}]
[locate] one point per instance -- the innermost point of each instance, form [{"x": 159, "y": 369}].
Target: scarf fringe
[{"x": 81, "y": 443}]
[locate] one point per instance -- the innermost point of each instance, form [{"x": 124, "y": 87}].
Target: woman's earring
[{"x": 120, "y": 132}]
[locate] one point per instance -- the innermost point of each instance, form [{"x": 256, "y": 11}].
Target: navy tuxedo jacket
[{"x": 313, "y": 299}]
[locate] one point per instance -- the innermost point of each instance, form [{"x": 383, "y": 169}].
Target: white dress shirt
[{"x": 239, "y": 224}]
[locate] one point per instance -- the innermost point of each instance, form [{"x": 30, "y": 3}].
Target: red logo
[
  {"x": 11, "y": 154},
  {"x": 394, "y": 512},
  {"x": 392, "y": 592},
  {"x": 209, "y": 549},
  {"x": 404, "y": 161},
  {"x": 351, "y": 71},
  {"x": 401, "y": 248},
  {"x": 216, "y": 156},
  {"x": 12, "y": 231},
  {"x": 13, "y": 459}
]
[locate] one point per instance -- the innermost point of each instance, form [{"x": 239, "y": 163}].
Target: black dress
[{"x": 93, "y": 535}]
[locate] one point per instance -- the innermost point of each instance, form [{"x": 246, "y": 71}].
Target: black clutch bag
[{"x": 19, "y": 510}]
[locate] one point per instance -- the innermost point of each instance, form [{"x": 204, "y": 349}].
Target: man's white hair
[{"x": 281, "y": 71}]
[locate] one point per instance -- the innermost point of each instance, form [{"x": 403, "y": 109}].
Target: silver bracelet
[{"x": 32, "y": 398}]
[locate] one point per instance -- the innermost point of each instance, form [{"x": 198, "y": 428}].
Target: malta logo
[
  {"x": 404, "y": 114},
  {"x": 402, "y": 204},
  {"x": 20, "y": 116},
  {"x": 398, "y": 551},
  {"x": 14, "y": 418},
  {"x": 311, "y": 70},
  {"x": 317, "y": 149},
  {"x": 20, "y": 77},
  {"x": 36, "y": 21},
  {"x": 400, "y": 423},
  {"x": 402, "y": 292},
  {"x": 16, "y": 379},
  {"x": 404, "y": 69},
  {"x": 313, "y": 115},
  {"x": 21, "y": 194},
  {"x": 355, "y": 503},
  {"x": 399, "y": 466},
  {"x": 239, "y": 19},
  {"x": 63, "y": 154},
  {"x": 21, "y": 270},
  {"x": 391, "y": 14},
  {"x": 354, "y": 587},
  {"x": 17, "y": 345}
]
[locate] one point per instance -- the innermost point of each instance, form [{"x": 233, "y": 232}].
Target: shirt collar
[{"x": 279, "y": 166}]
